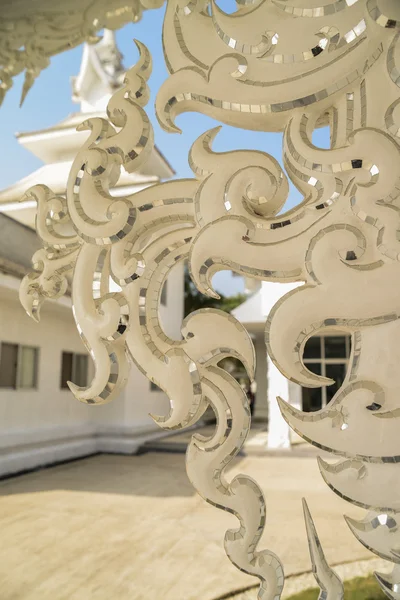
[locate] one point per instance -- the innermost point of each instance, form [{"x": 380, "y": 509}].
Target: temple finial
[{"x": 101, "y": 73}]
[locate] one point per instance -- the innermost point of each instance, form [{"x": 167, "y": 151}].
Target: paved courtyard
[{"x": 122, "y": 527}]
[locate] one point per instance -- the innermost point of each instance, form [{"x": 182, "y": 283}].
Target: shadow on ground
[
  {"x": 133, "y": 528},
  {"x": 149, "y": 474}
]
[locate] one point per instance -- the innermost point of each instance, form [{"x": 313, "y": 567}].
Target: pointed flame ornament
[{"x": 333, "y": 63}]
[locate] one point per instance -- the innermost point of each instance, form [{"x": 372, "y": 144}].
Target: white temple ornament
[
  {"x": 341, "y": 242},
  {"x": 32, "y": 31}
]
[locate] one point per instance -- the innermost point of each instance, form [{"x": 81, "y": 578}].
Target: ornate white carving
[
  {"x": 334, "y": 64},
  {"x": 32, "y": 31},
  {"x": 134, "y": 242}
]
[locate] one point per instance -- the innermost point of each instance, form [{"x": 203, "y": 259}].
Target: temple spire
[{"x": 101, "y": 73}]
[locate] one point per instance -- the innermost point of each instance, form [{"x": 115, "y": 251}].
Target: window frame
[
  {"x": 17, "y": 386},
  {"x": 73, "y": 368},
  {"x": 75, "y": 356},
  {"x": 19, "y": 367},
  {"x": 323, "y": 361}
]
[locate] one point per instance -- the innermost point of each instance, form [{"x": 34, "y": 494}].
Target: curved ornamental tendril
[{"x": 313, "y": 66}]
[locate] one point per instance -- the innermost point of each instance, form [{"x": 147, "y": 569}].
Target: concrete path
[
  {"x": 255, "y": 444},
  {"x": 119, "y": 528}
]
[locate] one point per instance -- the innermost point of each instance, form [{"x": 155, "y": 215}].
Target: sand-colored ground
[{"x": 122, "y": 527}]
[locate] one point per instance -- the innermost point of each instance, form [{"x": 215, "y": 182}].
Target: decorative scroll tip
[
  {"x": 83, "y": 126},
  {"x": 144, "y": 64},
  {"x": 287, "y": 409},
  {"x": 352, "y": 523},
  {"x": 341, "y": 465},
  {"x": 28, "y": 83},
  {"x": 156, "y": 418},
  {"x": 322, "y": 465},
  {"x": 94, "y": 39},
  {"x": 330, "y": 584},
  {"x": 73, "y": 387},
  {"x": 91, "y": 400},
  {"x": 212, "y": 294},
  {"x": 307, "y": 516},
  {"x": 203, "y": 142},
  {"x": 212, "y": 134},
  {"x": 205, "y": 287},
  {"x": 282, "y": 403},
  {"x": 34, "y": 315},
  {"x": 29, "y": 298},
  {"x": 75, "y": 390},
  {"x": 388, "y": 585},
  {"x": 167, "y": 123},
  {"x": 159, "y": 419},
  {"x": 35, "y": 192},
  {"x": 23, "y": 96}
]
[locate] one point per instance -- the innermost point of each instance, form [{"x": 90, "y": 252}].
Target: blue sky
[{"x": 49, "y": 101}]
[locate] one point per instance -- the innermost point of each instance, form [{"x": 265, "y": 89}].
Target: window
[
  {"x": 27, "y": 367},
  {"x": 164, "y": 293},
  {"x": 18, "y": 366},
  {"x": 74, "y": 367},
  {"x": 327, "y": 356}
]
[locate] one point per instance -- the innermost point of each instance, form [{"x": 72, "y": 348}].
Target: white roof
[
  {"x": 55, "y": 176},
  {"x": 101, "y": 73},
  {"x": 62, "y": 141},
  {"x": 251, "y": 310},
  {"x": 57, "y": 146},
  {"x": 255, "y": 310}
]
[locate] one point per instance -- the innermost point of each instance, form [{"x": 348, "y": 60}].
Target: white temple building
[
  {"x": 100, "y": 75},
  {"x": 40, "y": 420},
  {"x": 326, "y": 355}
]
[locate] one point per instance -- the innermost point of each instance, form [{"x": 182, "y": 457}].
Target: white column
[
  {"x": 278, "y": 429},
  {"x": 261, "y": 404},
  {"x": 295, "y": 399}
]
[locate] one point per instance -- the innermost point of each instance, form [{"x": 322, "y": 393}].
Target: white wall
[
  {"x": 48, "y": 424},
  {"x": 278, "y": 429},
  {"x": 139, "y": 400},
  {"x": 261, "y": 406},
  {"x": 295, "y": 400},
  {"x": 171, "y": 315}
]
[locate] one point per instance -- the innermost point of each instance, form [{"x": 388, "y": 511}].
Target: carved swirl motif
[
  {"x": 134, "y": 242},
  {"x": 341, "y": 242},
  {"x": 31, "y": 33}
]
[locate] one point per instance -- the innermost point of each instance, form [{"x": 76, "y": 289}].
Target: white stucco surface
[
  {"x": 48, "y": 424},
  {"x": 253, "y": 313}
]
